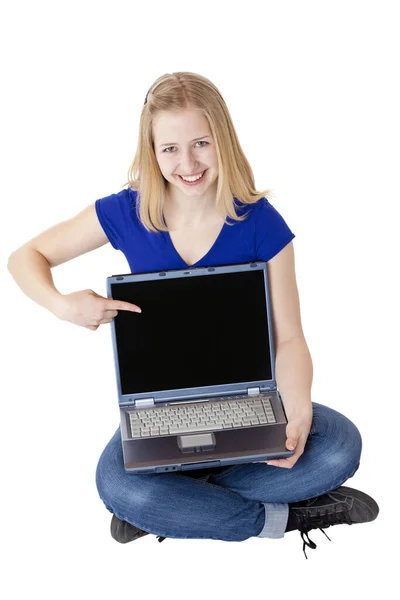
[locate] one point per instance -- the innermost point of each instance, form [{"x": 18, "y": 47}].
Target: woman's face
[{"x": 179, "y": 152}]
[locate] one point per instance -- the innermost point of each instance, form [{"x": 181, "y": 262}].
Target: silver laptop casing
[{"x": 211, "y": 449}]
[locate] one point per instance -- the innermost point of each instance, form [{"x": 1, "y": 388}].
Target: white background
[{"x": 312, "y": 88}]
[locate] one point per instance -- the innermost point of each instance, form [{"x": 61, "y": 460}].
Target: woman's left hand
[{"x": 297, "y": 431}]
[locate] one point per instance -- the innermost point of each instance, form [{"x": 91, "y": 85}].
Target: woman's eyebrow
[{"x": 195, "y": 140}]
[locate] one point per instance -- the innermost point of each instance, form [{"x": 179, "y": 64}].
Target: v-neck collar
[{"x": 169, "y": 239}]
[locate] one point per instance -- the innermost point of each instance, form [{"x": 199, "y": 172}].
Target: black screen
[{"x": 193, "y": 331}]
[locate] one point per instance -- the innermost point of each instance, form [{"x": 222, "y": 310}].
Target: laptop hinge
[
  {"x": 144, "y": 403},
  {"x": 254, "y": 391}
]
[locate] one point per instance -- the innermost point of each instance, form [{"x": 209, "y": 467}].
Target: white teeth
[{"x": 191, "y": 179}]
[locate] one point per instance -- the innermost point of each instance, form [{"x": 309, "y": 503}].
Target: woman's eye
[{"x": 199, "y": 142}]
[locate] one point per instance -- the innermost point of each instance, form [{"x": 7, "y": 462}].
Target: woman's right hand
[{"x": 88, "y": 309}]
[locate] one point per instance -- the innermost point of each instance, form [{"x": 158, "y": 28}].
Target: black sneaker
[
  {"x": 343, "y": 505},
  {"x": 124, "y": 532}
]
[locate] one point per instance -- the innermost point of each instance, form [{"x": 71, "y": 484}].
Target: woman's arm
[
  {"x": 31, "y": 264},
  {"x": 32, "y": 273},
  {"x": 294, "y": 374},
  {"x": 293, "y": 364}
]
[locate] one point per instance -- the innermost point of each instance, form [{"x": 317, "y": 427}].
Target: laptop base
[{"x": 231, "y": 446}]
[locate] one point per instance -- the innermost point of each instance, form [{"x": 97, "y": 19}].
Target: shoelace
[
  {"x": 318, "y": 521},
  {"x": 309, "y": 542},
  {"x": 160, "y": 538}
]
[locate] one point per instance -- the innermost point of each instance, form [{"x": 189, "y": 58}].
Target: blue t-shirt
[{"x": 261, "y": 235}]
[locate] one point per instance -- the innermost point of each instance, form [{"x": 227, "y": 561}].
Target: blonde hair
[{"x": 181, "y": 91}]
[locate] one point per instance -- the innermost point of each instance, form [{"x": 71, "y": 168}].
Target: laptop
[{"x": 195, "y": 370}]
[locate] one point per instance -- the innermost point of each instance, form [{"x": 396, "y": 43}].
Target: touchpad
[{"x": 196, "y": 442}]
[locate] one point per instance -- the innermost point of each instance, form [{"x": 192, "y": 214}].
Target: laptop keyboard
[{"x": 231, "y": 413}]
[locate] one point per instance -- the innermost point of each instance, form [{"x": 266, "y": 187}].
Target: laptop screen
[{"x": 193, "y": 331}]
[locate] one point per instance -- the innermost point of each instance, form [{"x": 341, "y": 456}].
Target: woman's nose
[{"x": 188, "y": 163}]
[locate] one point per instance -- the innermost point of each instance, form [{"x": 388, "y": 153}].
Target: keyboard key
[{"x": 193, "y": 429}]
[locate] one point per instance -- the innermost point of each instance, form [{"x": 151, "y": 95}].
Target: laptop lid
[{"x": 202, "y": 332}]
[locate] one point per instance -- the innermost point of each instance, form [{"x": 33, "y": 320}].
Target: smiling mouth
[
  {"x": 194, "y": 174},
  {"x": 202, "y": 175}
]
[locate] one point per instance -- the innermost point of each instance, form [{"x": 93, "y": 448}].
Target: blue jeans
[{"x": 235, "y": 502}]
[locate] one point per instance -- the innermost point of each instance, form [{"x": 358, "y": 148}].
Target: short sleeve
[
  {"x": 272, "y": 231},
  {"x": 113, "y": 213}
]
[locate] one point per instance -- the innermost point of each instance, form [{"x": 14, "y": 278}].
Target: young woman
[{"x": 191, "y": 201}]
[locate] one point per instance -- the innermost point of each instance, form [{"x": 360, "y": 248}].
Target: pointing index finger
[{"x": 121, "y": 305}]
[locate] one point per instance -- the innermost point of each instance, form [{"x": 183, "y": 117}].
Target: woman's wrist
[
  {"x": 297, "y": 408},
  {"x": 58, "y": 305}
]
